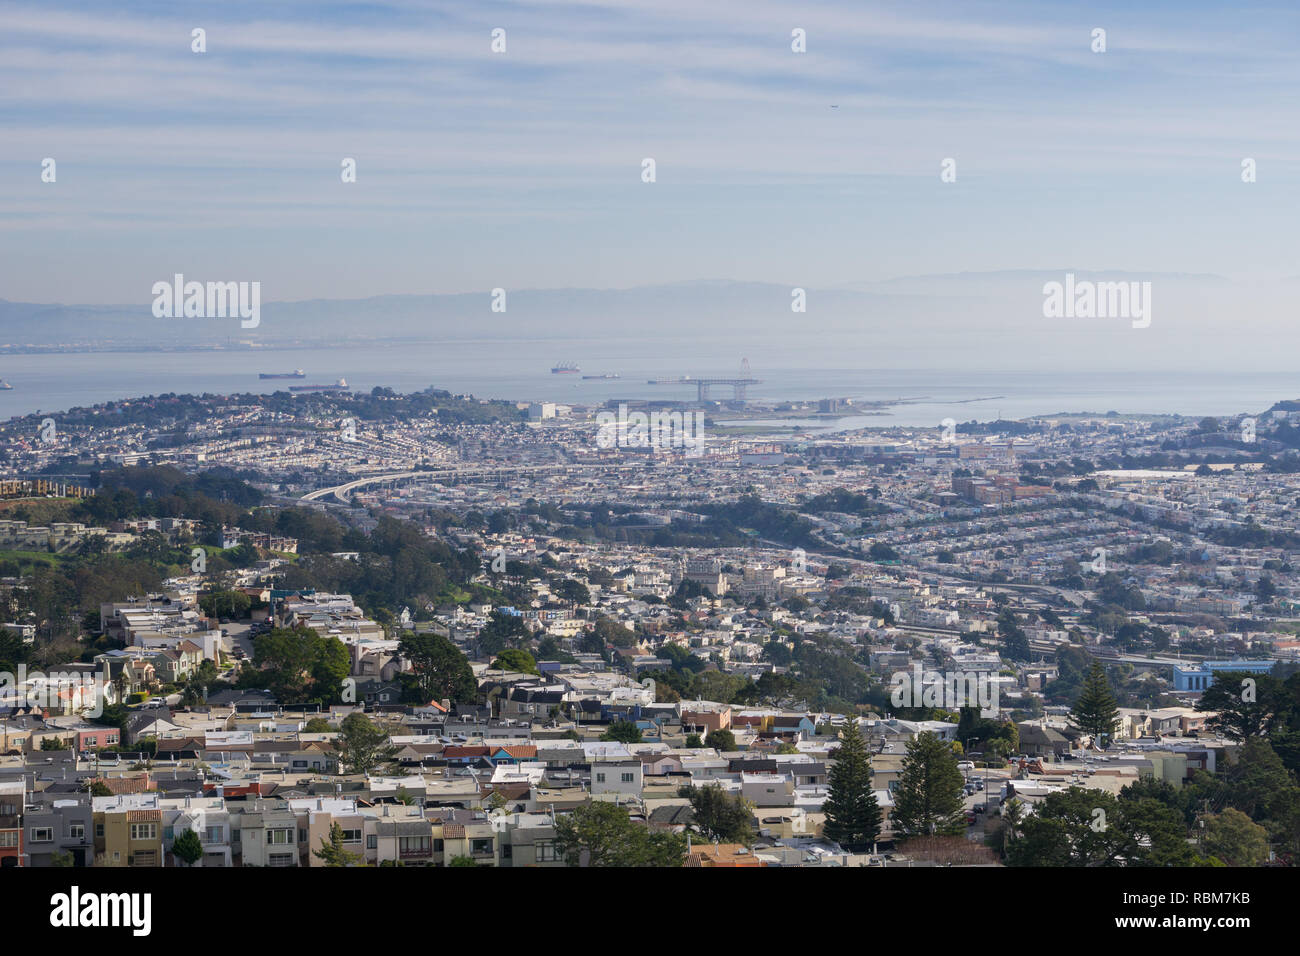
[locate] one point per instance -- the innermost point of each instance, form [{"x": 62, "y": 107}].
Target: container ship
[
  {"x": 565, "y": 368},
  {"x": 296, "y": 373},
  {"x": 340, "y": 386}
]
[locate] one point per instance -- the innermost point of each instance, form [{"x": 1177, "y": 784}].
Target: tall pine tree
[
  {"x": 929, "y": 798},
  {"x": 1095, "y": 712},
  {"x": 853, "y": 817}
]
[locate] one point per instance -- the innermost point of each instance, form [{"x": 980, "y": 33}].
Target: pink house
[
  {"x": 98, "y": 737},
  {"x": 658, "y": 765}
]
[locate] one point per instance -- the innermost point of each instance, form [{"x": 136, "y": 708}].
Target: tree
[
  {"x": 723, "y": 741},
  {"x": 363, "y": 745},
  {"x": 1243, "y": 707},
  {"x": 929, "y": 798},
  {"x": 318, "y": 725},
  {"x": 610, "y": 632},
  {"x": 719, "y": 815},
  {"x": 230, "y": 604},
  {"x": 1094, "y": 711},
  {"x": 462, "y": 861},
  {"x": 693, "y": 742},
  {"x": 332, "y": 851},
  {"x": 853, "y": 817},
  {"x": 1231, "y": 837},
  {"x": 882, "y": 552},
  {"x": 1078, "y": 827},
  {"x": 680, "y": 658},
  {"x": 284, "y": 657},
  {"x": 191, "y": 692},
  {"x": 439, "y": 669},
  {"x": 13, "y": 651},
  {"x": 548, "y": 649},
  {"x": 501, "y": 631},
  {"x": 331, "y": 663},
  {"x": 1259, "y": 783},
  {"x": 574, "y": 592},
  {"x": 623, "y": 731},
  {"x": 1265, "y": 589},
  {"x": 602, "y": 834},
  {"x": 188, "y": 847},
  {"x": 1015, "y": 643},
  {"x": 517, "y": 660}
]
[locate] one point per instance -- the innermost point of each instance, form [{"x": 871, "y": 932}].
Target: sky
[{"x": 523, "y": 169}]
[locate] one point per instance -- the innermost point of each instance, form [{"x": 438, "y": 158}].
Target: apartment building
[
  {"x": 13, "y": 794},
  {"x": 267, "y": 835},
  {"x": 128, "y": 830},
  {"x": 59, "y": 829}
]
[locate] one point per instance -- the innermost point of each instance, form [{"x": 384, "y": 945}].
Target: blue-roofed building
[{"x": 1200, "y": 676}]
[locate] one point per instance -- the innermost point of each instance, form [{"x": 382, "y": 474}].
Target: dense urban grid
[{"x": 435, "y": 630}]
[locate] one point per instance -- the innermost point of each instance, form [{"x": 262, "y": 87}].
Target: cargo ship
[
  {"x": 607, "y": 375},
  {"x": 5, "y": 386},
  {"x": 565, "y": 368},
  {"x": 296, "y": 373},
  {"x": 340, "y": 386}
]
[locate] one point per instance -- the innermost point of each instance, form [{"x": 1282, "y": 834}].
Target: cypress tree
[
  {"x": 929, "y": 798},
  {"x": 1095, "y": 712},
  {"x": 853, "y": 818}
]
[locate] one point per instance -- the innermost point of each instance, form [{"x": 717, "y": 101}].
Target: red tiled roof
[
  {"x": 520, "y": 751},
  {"x": 134, "y": 784}
]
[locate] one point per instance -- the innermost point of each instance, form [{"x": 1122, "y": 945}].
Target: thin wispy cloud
[{"x": 172, "y": 150}]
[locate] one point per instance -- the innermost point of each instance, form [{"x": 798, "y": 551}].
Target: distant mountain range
[
  {"x": 980, "y": 315},
  {"x": 724, "y": 307}
]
